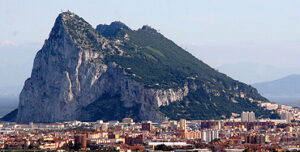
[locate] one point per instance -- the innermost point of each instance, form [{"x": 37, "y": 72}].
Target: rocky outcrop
[
  {"x": 84, "y": 74},
  {"x": 67, "y": 77}
]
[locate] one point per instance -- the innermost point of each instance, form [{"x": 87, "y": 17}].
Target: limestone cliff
[
  {"x": 68, "y": 75},
  {"x": 114, "y": 72}
]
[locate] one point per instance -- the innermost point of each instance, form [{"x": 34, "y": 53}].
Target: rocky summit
[{"x": 113, "y": 72}]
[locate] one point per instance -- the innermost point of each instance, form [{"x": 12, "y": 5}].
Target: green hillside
[{"x": 158, "y": 62}]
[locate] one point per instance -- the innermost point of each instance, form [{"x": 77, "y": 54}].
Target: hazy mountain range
[
  {"x": 284, "y": 91},
  {"x": 250, "y": 72},
  {"x": 7, "y": 104},
  {"x": 281, "y": 85},
  {"x": 288, "y": 86}
]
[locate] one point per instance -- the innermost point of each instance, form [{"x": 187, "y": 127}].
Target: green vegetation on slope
[
  {"x": 81, "y": 32},
  {"x": 195, "y": 107},
  {"x": 158, "y": 62}
]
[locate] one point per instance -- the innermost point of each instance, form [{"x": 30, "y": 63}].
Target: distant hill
[
  {"x": 250, "y": 73},
  {"x": 7, "y": 104},
  {"x": 283, "y": 91},
  {"x": 288, "y": 86}
]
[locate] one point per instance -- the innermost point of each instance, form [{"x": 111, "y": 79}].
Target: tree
[
  {"x": 246, "y": 150},
  {"x": 77, "y": 146},
  {"x": 163, "y": 147},
  {"x": 30, "y": 146}
]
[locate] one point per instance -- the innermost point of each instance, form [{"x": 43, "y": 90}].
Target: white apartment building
[{"x": 248, "y": 116}]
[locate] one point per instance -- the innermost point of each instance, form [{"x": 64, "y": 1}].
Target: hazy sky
[{"x": 216, "y": 31}]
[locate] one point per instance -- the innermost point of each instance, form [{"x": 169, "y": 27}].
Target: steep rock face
[
  {"x": 114, "y": 72},
  {"x": 67, "y": 76}
]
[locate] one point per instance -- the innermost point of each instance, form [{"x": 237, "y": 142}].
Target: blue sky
[
  {"x": 217, "y": 32},
  {"x": 196, "y": 22}
]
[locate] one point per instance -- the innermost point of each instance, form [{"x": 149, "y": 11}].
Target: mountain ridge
[
  {"x": 251, "y": 72},
  {"x": 288, "y": 86},
  {"x": 83, "y": 74}
]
